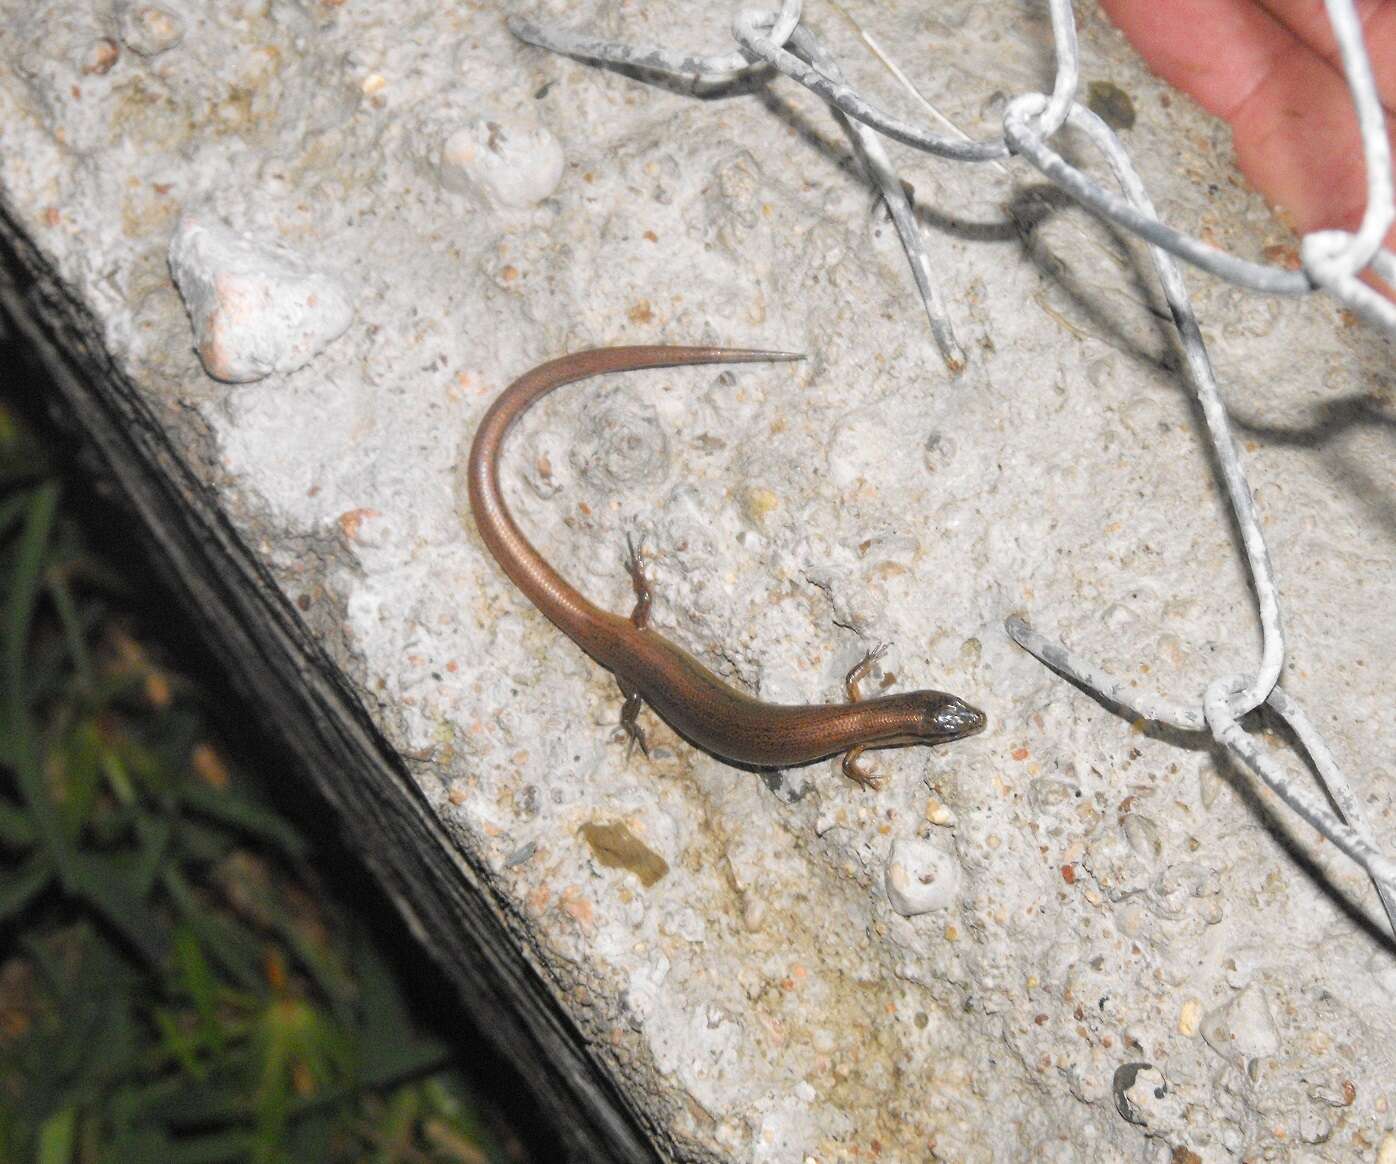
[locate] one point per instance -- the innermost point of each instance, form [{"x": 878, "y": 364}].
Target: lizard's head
[{"x": 947, "y": 717}]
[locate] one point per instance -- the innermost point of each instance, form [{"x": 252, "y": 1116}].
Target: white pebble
[
  {"x": 920, "y": 877},
  {"x": 149, "y": 29},
  {"x": 1243, "y": 1028},
  {"x": 502, "y": 162},
  {"x": 256, "y": 307},
  {"x": 940, "y": 813}
]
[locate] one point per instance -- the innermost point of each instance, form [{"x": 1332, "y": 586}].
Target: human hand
[{"x": 1270, "y": 69}]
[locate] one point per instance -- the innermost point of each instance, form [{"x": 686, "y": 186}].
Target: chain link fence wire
[{"x": 1332, "y": 261}]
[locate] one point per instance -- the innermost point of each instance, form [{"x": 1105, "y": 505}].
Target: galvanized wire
[
  {"x": 1332, "y": 261},
  {"x": 716, "y": 68}
]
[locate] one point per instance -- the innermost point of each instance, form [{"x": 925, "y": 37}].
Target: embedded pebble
[
  {"x": 1315, "y": 1127},
  {"x": 1379, "y": 965},
  {"x": 758, "y": 504},
  {"x": 939, "y": 451},
  {"x": 149, "y": 29},
  {"x": 920, "y": 877},
  {"x": 940, "y": 813},
  {"x": 101, "y": 57},
  {"x": 1143, "y": 837},
  {"x": 645, "y": 988},
  {"x": 1132, "y": 919},
  {"x": 1239, "y": 969},
  {"x": 1186, "y": 884},
  {"x": 544, "y": 462},
  {"x": 684, "y": 923},
  {"x": 502, "y": 162},
  {"x": 1242, "y": 1028},
  {"x": 1048, "y": 794},
  {"x": 1209, "y": 783},
  {"x": 1386, "y": 1150},
  {"x": 1340, "y": 1092},
  {"x": 1189, "y": 1017},
  {"x": 1117, "y": 872},
  {"x": 754, "y": 914},
  {"x": 257, "y": 307},
  {"x": 1119, "y": 617},
  {"x": 521, "y": 855}
]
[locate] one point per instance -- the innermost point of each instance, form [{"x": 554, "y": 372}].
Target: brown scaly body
[{"x": 648, "y": 667}]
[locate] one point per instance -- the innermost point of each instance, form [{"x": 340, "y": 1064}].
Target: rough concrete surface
[{"x": 1132, "y": 954}]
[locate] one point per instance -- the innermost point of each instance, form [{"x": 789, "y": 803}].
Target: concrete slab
[{"x": 1145, "y": 958}]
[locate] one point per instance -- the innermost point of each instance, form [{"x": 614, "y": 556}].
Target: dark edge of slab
[{"x": 282, "y": 673}]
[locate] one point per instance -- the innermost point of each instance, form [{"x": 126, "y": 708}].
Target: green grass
[{"x": 176, "y": 983}]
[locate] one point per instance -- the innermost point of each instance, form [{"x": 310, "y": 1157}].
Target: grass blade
[
  {"x": 15, "y": 728},
  {"x": 236, "y": 950},
  {"x": 248, "y": 817},
  {"x": 24, "y": 584},
  {"x": 99, "y": 883},
  {"x": 73, "y": 630},
  {"x": 211, "y": 1148},
  {"x": 18, "y": 889},
  {"x": 11, "y": 510},
  {"x": 56, "y": 1137},
  {"x": 16, "y": 828},
  {"x": 198, "y": 979},
  {"x": 154, "y": 833}
]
